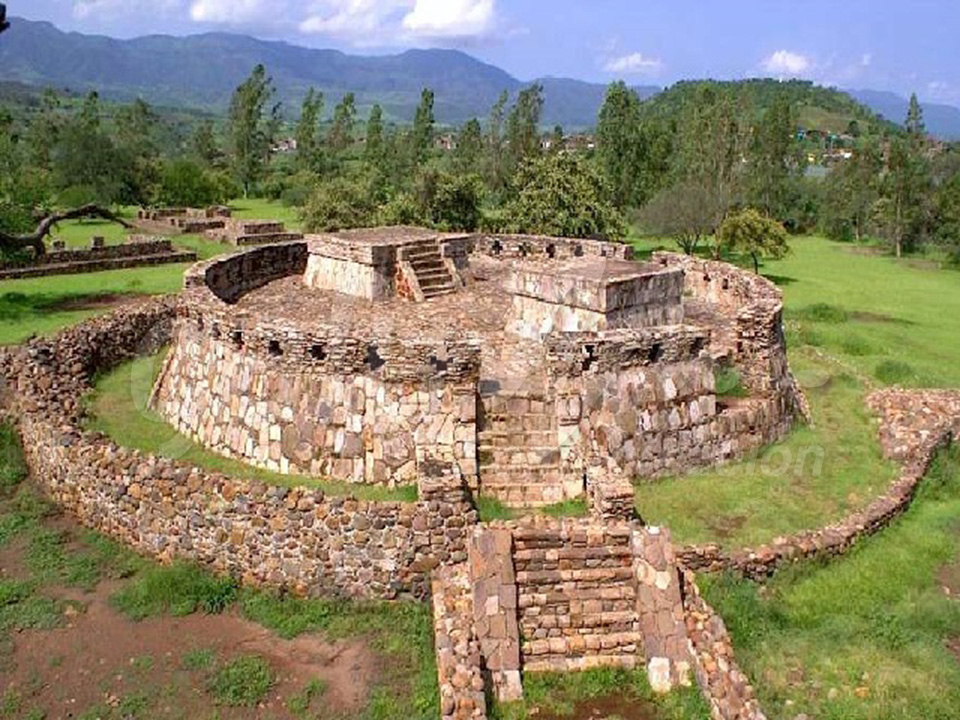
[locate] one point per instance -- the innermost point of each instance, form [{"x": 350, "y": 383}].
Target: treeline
[{"x": 713, "y": 165}]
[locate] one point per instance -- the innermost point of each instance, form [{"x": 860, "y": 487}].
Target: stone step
[
  {"x": 432, "y": 282},
  {"x": 516, "y": 438},
  {"x": 552, "y": 577},
  {"x": 538, "y": 653},
  {"x": 517, "y": 423},
  {"x": 424, "y": 266},
  {"x": 513, "y": 456},
  {"x": 575, "y": 553},
  {"x": 621, "y": 619},
  {"x": 524, "y": 494},
  {"x": 432, "y": 293},
  {"x": 428, "y": 274}
]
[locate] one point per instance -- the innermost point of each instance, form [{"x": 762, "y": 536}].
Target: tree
[
  {"x": 904, "y": 193},
  {"x": 751, "y": 232},
  {"x": 523, "y": 125},
  {"x": 339, "y": 204},
  {"x": 184, "y": 183},
  {"x": 249, "y": 131},
  {"x": 773, "y": 157},
  {"x": 562, "y": 195},
  {"x": 374, "y": 144},
  {"x": 469, "y": 150},
  {"x": 423, "y": 128},
  {"x": 340, "y": 136},
  {"x": 44, "y": 130},
  {"x": 618, "y": 141},
  {"x": 686, "y": 212},
  {"x": 308, "y": 130},
  {"x": 948, "y": 217},
  {"x": 449, "y": 202},
  {"x": 914, "y": 124},
  {"x": 204, "y": 144},
  {"x": 495, "y": 164},
  {"x": 12, "y": 242},
  {"x": 556, "y": 139},
  {"x": 849, "y": 195}
]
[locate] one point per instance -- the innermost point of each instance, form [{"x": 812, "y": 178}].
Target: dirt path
[{"x": 101, "y": 659}]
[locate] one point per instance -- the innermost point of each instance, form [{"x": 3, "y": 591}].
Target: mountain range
[{"x": 201, "y": 71}]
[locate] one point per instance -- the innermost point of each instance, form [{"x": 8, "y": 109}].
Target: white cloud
[
  {"x": 359, "y": 19},
  {"x": 784, "y": 62},
  {"x": 450, "y": 18},
  {"x": 233, "y": 12},
  {"x": 866, "y": 59},
  {"x": 634, "y": 64},
  {"x": 83, "y": 9}
]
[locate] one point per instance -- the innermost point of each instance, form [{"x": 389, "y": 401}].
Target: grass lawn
[
  {"x": 118, "y": 408},
  {"x": 259, "y": 209},
  {"x": 52, "y": 582},
  {"x": 865, "y": 637},
  {"x": 855, "y": 321}
]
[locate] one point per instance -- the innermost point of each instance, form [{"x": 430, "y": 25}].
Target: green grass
[
  {"x": 493, "y": 509},
  {"x": 260, "y": 209},
  {"x": 245, "y": 681},
  {"x": 118, "y": 408},
  {"x": 864, "y": 637},
  {"x": 854, "y": 322},
  {"x": 180, "y": 589},
  {"x": 560, "y": 693}
]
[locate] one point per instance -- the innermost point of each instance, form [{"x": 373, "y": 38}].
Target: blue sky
[{"x": 902, "y": 46}]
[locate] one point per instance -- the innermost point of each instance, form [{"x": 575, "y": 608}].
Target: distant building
[
  {"x": 286, "y": 145},
  {"x": 445, "y": 142}
]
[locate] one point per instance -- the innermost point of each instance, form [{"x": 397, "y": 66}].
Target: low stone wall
[
  {"x": 914, "y": 426},
  {"x": 547, "y": 248},
  {"x": 298, "y": 539},
  {"x": 723, "y": 684},
  {"x": 137, "y": 251},
  {"x": 230, "y": 277}
]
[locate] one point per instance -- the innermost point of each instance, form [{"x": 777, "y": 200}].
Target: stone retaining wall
[
  {"x": 914, "y": 426},
  {"x": 137, "y": 251},
  {"x": 547, "y": 248},
  {"x": 298, "y": 538}
]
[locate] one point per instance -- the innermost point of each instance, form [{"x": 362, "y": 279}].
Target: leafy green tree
[
  {"x": 914, "y": 124},
  {"x": 750, "y": 231},
  {"x": 184, "y": 183},
  {"x": 308, "y": 131},
  {"x": 562, "y": 195},
  {"x": 469, "y": 150},
  {"x": 89, "y": 115},
  {"x": 136, "y": 124},
  {"x": 685, "y": 211},
  {"x": 947, "y": 203},
  {"x": 495, "y": 163},
  {"x": 773, "y": 158},
  {"x": 449, "y": 202},
  {"x": 374, "y": 148},
  {"x": 900, "y": 213},
  {"x": 618, "y": 142},
  {"x": 204, "y": 144},
  {"x": 44, "y": 130},
  {"x": 850, "y": 193},
  {"x": 401, "y": 209},
  {"x": 340, "y": 136},
  {"x": 250, "y": 130},
  {"x": 421, "y": 137},
  {"x": 523, "y": 125},
  {"x": 556, "y": 139},
  {"x": 339, "y": 204}
]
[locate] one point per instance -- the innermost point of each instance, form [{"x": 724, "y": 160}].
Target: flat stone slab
[{"x": 598, "y": 284}]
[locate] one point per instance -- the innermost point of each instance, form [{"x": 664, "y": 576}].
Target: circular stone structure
[{"x": 521, "y": 363}]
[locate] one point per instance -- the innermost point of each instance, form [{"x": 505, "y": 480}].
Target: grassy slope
[
  {"x": 118, "y": 408},
  {"x": 29, "y": 307},
  {"x": 863, "y": 638},
  {"x": 838, "y": 354}
]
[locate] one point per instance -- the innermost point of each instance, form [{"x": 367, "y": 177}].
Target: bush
[
  {"x": 891, "y": 372},
  {"x": 183, "y": 183},
  {"x": 339, "y": 204},
  {"x": 562, "y": 195},
  {"x": 401, "y": 209},
  {"x": 755, "y": 234},
  {"x": 449, "y": 202}
]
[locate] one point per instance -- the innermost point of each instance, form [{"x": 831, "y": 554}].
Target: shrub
[
  {"x": 755, "y": 234},
  {"x": 449, "y": 202},
  {"x": 401, "y": 209},
  {"x": 562, "y": 195},
  {"x": 185, "y": 184},
  {"x": 891, "y": 372},
  {"x": 339, "y": 204}
]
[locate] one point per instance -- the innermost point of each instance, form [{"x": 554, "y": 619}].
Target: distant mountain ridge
[{"x": 201, "y": 71}]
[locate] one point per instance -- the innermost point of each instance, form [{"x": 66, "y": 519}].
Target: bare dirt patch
[
  {"x": 100, "y": 658},
  {"x": 607, "y": 707},
  {"x": 104, "y": 301}
]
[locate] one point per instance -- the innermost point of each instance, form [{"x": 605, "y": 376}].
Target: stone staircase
[
  {"x": 518, "y": 447},
  {"x": 429, "y": 268}
]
